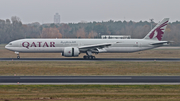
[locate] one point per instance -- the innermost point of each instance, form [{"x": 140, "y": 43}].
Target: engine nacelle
[{"x": 71, "y": 52}]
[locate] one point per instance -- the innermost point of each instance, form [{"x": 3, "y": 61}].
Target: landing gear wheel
[
  {"x": 85, "y": 57},
  {"x": 89, "y": 57},
  {"x": 18, "y": 57},
  {"x": 92, "y": 57}
]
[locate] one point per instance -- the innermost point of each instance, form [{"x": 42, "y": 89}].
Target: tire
[
  {"x": 89, "y": 57},
  {"x": 92, "y": 57},
  {"x": 18, "y": 57},
  {"x": 85, "y": 57}
]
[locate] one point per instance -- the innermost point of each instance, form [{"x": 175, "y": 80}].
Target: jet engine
[{"x": 71, "y": 52}]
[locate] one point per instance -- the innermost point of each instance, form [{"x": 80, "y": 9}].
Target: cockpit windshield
[{"x": 10, "y": 43}]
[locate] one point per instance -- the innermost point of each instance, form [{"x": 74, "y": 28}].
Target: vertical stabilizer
[{"x": 157, "y": 32}]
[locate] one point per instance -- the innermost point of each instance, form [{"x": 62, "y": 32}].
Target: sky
[{"x": 74, "y": 11}]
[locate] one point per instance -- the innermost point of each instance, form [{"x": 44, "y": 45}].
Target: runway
[
  {"x": 97, "y": 59},
  {"x": 90, "y": 80}
]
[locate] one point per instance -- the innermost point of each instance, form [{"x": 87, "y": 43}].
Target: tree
[
  {"x": 8, "y": 22},
  {"x": 65, "y": 29},
  {"x": 81, "y": 33},
  {"x": 92, "y": 34},
  {"x": 51, "y": 33}
]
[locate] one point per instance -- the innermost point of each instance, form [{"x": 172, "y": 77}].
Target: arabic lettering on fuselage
[
  {"x": 68, "y": 42},
  {"x": 38, "y": 44}
]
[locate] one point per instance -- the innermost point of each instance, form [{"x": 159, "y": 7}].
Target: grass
[
  {"x": 25, "y": 68},
  {"x": 90, "y": 92}
]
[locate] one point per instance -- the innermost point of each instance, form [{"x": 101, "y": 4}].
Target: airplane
[{"x": 73, "y": 47}]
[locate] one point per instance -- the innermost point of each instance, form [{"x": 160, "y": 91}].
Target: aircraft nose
[{"x": 6, "y": 46}]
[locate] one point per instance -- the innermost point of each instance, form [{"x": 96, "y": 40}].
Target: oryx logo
[{"x": 158, "y": 32}]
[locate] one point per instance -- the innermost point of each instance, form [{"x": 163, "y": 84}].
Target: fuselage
[{"x": 58, "y": 45}]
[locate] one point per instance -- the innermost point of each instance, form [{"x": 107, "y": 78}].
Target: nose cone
[{"x": 6, "y": 47}]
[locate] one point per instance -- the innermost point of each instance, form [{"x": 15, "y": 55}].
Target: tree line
[{"x": 14, "y": 29}]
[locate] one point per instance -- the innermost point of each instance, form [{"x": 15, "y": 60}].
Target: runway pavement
[
  {"x": 97, "y": 59},
  {"x": 90, "y": 79}
]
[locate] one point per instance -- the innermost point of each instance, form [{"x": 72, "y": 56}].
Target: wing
[{"x": 95, "y": 47}]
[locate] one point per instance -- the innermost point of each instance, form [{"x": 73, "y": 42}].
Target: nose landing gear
[{"x": 18, "y": 57}]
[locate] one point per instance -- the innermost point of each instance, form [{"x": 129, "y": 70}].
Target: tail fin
[{"x": 157, "y": 32}]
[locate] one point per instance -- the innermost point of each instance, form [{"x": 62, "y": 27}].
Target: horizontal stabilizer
[{"x": 162, "y": 42}]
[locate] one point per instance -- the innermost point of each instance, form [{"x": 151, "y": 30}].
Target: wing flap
[{"x": 97, "y": 46}]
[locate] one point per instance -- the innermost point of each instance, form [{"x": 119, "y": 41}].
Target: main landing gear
[
  {"x": 89, "y": 56},
  {"x": 18, "y": 57}
]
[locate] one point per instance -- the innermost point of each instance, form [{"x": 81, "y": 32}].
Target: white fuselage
[{"x": 58, "y": 45}]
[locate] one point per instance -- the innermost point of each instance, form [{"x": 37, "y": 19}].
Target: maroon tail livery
[{"x": 158, "y": 31}]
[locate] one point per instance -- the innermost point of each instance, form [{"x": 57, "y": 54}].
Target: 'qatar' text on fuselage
[{"x": 38, "y": 44}]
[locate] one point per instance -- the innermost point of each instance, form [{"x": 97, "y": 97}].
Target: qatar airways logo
[
  {"x": 38, "y": 44},
  {"x": 158, "y": 32}
]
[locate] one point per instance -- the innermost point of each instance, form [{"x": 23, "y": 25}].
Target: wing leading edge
[{"x": 96, "y": 46}]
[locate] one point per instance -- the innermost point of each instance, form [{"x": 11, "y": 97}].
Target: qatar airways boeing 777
[{"x": 73, "y": 47}]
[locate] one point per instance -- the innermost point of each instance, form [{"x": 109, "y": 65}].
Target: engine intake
[{"x": 71, "y": 52}]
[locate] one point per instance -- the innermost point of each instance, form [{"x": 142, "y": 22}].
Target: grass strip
[
  {"x": 62, "y": 68},
  {"x": 89, "y": 92}
]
